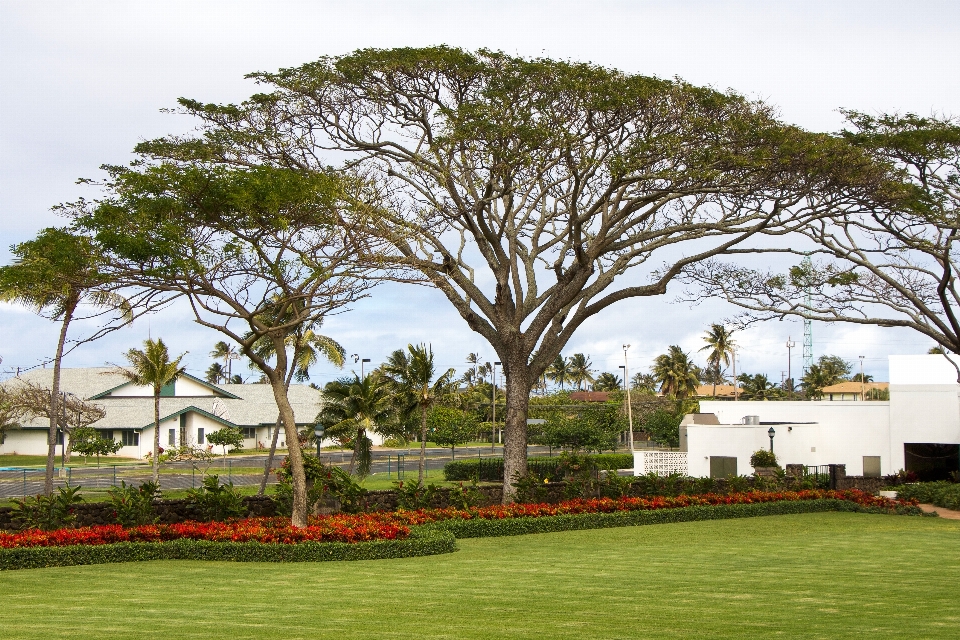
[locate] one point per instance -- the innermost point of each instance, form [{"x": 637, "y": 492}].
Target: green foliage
[
  {"x": 87, "y": 442},
  {"x": 352, "y": 407},
  {"x": 324, "y": 482},
  {"x": 529, "y": 487},
  {"x": 763, "y": 458},
  {"x": 828, "y": 370},
  {"x": 592, "y": 426},
  {"x": 47, "y": 512},
  {"x": 491, "y": 469},
  {"x": 449, "y": 427},
  {"x": 663, "y": 425},
  {"x": 941, "y": 494},
  {"x": 608, "y": 382},
  {"x": 676, "y": 373},
  {"x": 134, "y": 505},
  {"x": 412, "y": 495},
  {"x": 226, "y": 437},
  {"x": 480, "y": 528},
  {"x": 421, "y": 542},
  {"x": 216, "y": 502},
  {"x": 465, "y": 498}
]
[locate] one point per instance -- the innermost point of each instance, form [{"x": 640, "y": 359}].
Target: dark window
[
  {"x": 931, "y": 461},
  {"x": 130, "y": 438},
  {"x": 106, "y": 435},
  {"x": 200, "y": 435},
  {"x": 249, "y": 432},
  {"x": 172, "y": 437}
]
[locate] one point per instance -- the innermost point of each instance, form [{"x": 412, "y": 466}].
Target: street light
[
  {"x": 862, "y": 385},
  {"x": 361, "y": 366},
  {"x": 771, "y": 432},
  {"x": 493, "y": 428},
  {"x": 626, "y": 373},
  {"x": 790, "y": 345},
  {"x": 318, "y": 431}
]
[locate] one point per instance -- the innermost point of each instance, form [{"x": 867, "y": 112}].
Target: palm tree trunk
[
  {"x": 423, "y": 444},
  {"x": 268, "y": 465},
  {"x": 356, "y": 450},
  {"x": 156, "y": 436},
  {"x": 55, "y": 398}
]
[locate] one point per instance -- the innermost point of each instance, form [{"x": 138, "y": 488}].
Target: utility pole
[
  {"x": 736, "y": 392},
  {"x": 790, "y": 345},
  {"x": 863, "y": 387}
]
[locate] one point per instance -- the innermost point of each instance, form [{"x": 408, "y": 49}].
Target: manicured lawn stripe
[{"x": 821, "y": 575}]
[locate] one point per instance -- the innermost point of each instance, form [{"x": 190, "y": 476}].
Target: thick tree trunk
[
  {"x": 423, "y": 445},
  {"x": 156, "y": 436},
  {"x": 55, "y": 400},
  {"x": 515, "y": 425},
  {"x": 294, "y": 453},
  {"x": 273, "y": 445}
]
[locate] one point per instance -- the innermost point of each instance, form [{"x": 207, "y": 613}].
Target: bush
[
  {"x": 47, "y": 512},
  {"x": 420, "y": 543},
  {"x": 763, "y": 458},
  {"x": 486, "y": 528},
  {"x": 410, "y": 495},
  {"x": 215, "y": 501},
  {"x": 940, "y": 494},
  {"x": 134, "y": 505},
  {"x": 324, "y": 481},
  {"x": 491, "y": 469}
]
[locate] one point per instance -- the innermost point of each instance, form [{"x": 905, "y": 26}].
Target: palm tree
[
  {"x": 152, "y": 367},
  {"x": 559, "y": 371},
  {"x": 644, "y": 382},
  {"x": 721, "y": 347},
  {"x": 229, "y": 353},
  {"x": 56, "y": 272},
  {"x": 607, "y": 382},
  {"x": 216, "y": 373},
  {"x": 757, "y": 387},
  {"x": 580, "y": 371},
  {"x": 411, "y": 380},
  {"x": 352, "y": 407},
  {"x": 676, "y": 373}
]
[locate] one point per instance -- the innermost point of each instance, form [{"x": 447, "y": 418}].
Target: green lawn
[
  {"x": 16, "y": 460},
  {"x": 818, "y": 576}
]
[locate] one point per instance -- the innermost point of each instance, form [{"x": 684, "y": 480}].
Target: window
[
  {"x": 130, "y": 438},
  {"x": 172, "y": 437},
  {"x": 200, "y": 435},
  {"x": 107, "y": 435},
  {"x": 249, "y": 432}
]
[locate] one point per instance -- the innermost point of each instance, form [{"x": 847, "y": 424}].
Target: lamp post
[
  {"x": 318, "y": 431},
  {"x": 626, "y": 374},
  {"x": 361, "y": 366},
  {"x": 493, "y": 403},
  {"x": 771, "y": 432}
]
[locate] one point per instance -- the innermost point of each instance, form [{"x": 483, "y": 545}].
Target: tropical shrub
[
  {"x": 763, "y": 458},
  {"x": 134, "y": 505},
  {"x": 324, "y": 481},
  {"x": 491, "y": 469},
  {"x": 410, "y": 495},
  {"x": 47, "y": 512},
  {"x": 940, "y": 494},
  {"x": 215, "y": 501}
]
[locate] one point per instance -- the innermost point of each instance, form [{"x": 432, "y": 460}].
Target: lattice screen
[{"x": 663, "y": 463}]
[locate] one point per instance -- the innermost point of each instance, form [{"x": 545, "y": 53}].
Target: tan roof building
[
  {"x": 723, "y": 391},
  {"x": 852, "y": 390}
]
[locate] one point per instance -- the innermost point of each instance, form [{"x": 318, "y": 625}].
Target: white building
[
  {"x": 918, "y": 429},
  {"x": 190, "y": 409}
]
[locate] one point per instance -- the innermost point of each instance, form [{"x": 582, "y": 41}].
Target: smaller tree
[
  {"x": 226, "y": 437},
  {"x": 87, "y": 441},
  {"x": 450, "y": 427},
  {"x": 607, "y": 382},
  {"x": 591, "y": 427},
  {"x": 827, "y": 371},
  {"x": 10, "y": 413}
]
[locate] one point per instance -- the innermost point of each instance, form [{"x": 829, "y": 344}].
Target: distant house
[
  {"x": 723, "y": 392},
  {"x": 852, "y": 390},
  {"x": 190, "y": 409}
]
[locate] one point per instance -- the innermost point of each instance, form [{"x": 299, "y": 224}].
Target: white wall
[
  {"x": 28, "y": 442},
  {"x": 924, "y": 402}
]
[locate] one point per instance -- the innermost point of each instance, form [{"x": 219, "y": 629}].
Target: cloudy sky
[{"x": 82, "y": 83}]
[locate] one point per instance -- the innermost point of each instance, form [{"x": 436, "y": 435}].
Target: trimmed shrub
[
  {"x": 420, "y": 543},
  {"x": 481, "y": 528},
  {"x": 940, "y": 494},
  {"x": 763, "y": 458},
  {"x": 491, "y": 469}
]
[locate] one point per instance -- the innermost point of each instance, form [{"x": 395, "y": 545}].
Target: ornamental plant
[
  {"x": 133, "y": 506},
  {"x": 763, "y": 458},
  {"x": 47, "y": 512}
]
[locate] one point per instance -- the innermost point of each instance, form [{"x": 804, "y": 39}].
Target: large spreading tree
[
  {"x": 260, "y": 254},
  {"x": 891, "y": 262},
  {"x": 535, "y": 193}
]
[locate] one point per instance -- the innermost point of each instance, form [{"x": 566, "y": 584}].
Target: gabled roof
[
  {"x": 193, "y": 409},
  {"x": 217, "y": 390},
  {"x": 854, "y": 387}
]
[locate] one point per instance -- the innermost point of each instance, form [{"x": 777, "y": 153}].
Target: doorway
[{"x": 930, "y": 460}]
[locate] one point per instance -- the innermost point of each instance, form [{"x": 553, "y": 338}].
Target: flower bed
[
  {"x": 613, "y": 505},
  {"x": 340, "y": 528}
]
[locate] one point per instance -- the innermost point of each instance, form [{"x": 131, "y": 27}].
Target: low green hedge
[
  {"x": 940, "y": 494},
  {"x": 521, "y": 526},
  {"x": 420, "y": 543},
  {"x": 491, "y": 469}
]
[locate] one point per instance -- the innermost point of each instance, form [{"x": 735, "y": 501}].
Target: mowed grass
[{"x": 807, "y": 576}]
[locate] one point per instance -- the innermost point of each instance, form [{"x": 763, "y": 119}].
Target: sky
[{"x": 82, "y": 83}]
